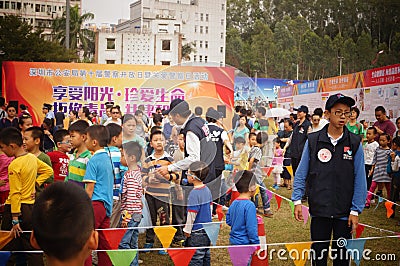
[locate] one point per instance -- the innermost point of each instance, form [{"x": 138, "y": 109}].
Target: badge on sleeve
[{"x": 324, "y": 155}]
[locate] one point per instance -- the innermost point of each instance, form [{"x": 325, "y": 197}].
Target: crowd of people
[{"x": 172, "y": 166}]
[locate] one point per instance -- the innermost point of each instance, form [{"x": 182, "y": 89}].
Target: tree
[
  {"x": 187, "y": 49},
  {"x": 18, "y": 42},
  {"x": 79, "y": 38}
]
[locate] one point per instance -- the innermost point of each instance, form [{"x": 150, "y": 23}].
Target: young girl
[
  {"x": 379, "y": 175},
  {"x": 25, "y": 122},
  {"x": 277, "y": 163},
  {"x": 129, "y": 133}
]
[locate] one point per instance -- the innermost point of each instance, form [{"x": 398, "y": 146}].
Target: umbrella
[{"x": 277, "y": 112}]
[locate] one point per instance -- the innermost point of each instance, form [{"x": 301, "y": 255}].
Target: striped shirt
[
  {"x": 77, "y": 167},
  {"x": 131, "y": 197},
  {"x": 380, "y": 160},
  {"x": 115, "y": 155}
]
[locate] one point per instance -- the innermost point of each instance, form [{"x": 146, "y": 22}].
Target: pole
[
  {"x": 297, "y": 71},
  {"x": 340, "y": 64},
  {"x": 67, "y": 20}
]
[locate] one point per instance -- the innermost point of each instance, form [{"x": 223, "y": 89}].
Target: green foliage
[
  {"x": 187, "y": 49},
  {"x": 19, "y": 43},
  {"x": 272, "y": 37}
]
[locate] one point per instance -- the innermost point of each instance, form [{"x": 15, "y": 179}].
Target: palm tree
[
  {"x": 187, "y": 49},
  {"x": 80, "y": 38}
]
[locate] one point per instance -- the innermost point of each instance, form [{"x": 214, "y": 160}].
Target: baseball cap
[
  {"x": 302, "y": 108},
  {"x": 339, "y": 98},
  {"x": 214, "y": 114},
  {"x": 178, "y": 106}
]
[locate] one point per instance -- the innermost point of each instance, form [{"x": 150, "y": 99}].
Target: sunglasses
[{"x": 115, "y": 113}]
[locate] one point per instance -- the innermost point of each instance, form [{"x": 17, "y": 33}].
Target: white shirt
[{"x": 369, "y": 151}]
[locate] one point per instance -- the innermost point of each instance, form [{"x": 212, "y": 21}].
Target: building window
[
  {"x": 12, "y": 5},
  {"x": 194, "y": 58},
  {"x": 201, "y": 29},
  {"x": 48, "y": 9},
  {"x": 1, "y": 4},
  {"x": 206, "y": 29},
  {"x": 110, "y": 44},
  {"x": 194, "y": 43},
  {"x": 207, "y": 17},
  {"x": 7, "y": 5},
  {"x": 206, "y": 44},
  {"x": 222, "y": 35},
  {"x": 201, "y": 44},
  {"x": 110, "y": 62},
  {"x": 205, "y": 58},
  {"x": 195, "y": 28},
  {"x": 165, "y": 63},
  {"x": 201, "y": 16},
  {"x": 221, "y": 49},
  {"x": 43, "y": 8},
  {"x": 222, "y": 22},
  {"x": 166, "y": 45},
  {"x": 19, "y": 5},
  {"x": 200, "y": 58},
  {"x": 223, "y": 7}
]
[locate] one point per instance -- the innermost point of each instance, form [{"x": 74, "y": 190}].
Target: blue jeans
[
  {"x": 264, "y": 196},
  {"x": 130, "y": 240},
  {"x": 202, "y": 256}
]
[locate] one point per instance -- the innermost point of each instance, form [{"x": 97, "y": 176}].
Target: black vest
[
  {"x": 216, "y": 137},
  {"x": 331, "y": 183},
  {"x": 299, "y": 137}
]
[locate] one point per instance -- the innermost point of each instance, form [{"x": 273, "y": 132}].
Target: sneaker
[
  {"x": 140, "y": 261},
  {"x": 289, "y": 187},
  {"x": 282, "y": 185},
  {"x": 177, "y": 243},
  {"x": 276, "y": 186},
  {"x": 162, "y": 252},
  {"x": 149, "y": 246},
  {"x": 367, "y": 205},
  {"x": 268, "y": 214}
]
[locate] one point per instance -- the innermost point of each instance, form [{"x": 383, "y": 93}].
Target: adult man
[
  {"x": 48, "y": 113},
  {"x": 60, "y": 118},
  {"x": 336, "y": 194},
  {"x": 383, "y": 123},
  {"x": 115, "y": 116}
]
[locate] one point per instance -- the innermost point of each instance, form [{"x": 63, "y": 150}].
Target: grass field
[{"x": 282, "y": 228}]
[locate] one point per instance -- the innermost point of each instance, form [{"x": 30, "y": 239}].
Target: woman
[
  {"x": 84, "y": 114},
  {"x": 11, "y": 120},
  {"x": 354, "y": 126},
  {"x": 73, "y": 117},
  {"x": 48, "y": 130},
  {"x": 241, "y": 130}
]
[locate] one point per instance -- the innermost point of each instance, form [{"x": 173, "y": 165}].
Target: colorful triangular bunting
[
  {"x": 269, "y": 194},
  {"x": 240, "y": 255},
  {"x": 5, "y": 238},
  {"x": 291, "y": 204},
  {"x": 380, "y": 199},
  {"x": 113, "y": 236},
  {"x": 212, "y": 231},
  {"x": 220, "y": 213},
  {"x": 278, "y": 201},
  {"x": 356, "y": 248},
  {"x": 389, "y": 209},
  {"x": 289, "y": 168},
  {"x": 359, "y": 230},
  {"x": 4, "y": 256},
  {"x": 181, "y": 257},
  {"x": 299, "y": 247},
  {"x": 305, "y": 212},
  {"x": 122, "y": 257},
  {"x": 165, "y": 234}
]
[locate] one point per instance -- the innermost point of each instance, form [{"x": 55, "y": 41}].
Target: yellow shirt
[
  {"x": 23, "y": 173},
  {"x": 272, "y": 129}
]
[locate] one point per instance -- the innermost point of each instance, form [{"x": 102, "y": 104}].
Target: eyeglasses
[
  {"x": 340, "y": 113},
  {"x": 194, "y": 176},
  {"x": 115, "y": 113},
  {"x": 65, "y": 142}
]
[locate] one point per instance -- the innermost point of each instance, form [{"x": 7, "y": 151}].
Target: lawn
[{"x": 282, "y": 228}]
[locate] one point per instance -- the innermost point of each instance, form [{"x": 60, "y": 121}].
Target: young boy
[
  {"x": 369, "y": 151},
  {"x": 240, "y": 155},
  {"x": 52, "y": 217},
  {"x": 59, "y": 158},
  {"x": 241, "y": 216},
  {"x": 198, "y": 211},
  {"x": 157, "y": 186},
  {"x": 257, "y": 142},
  {"x": 131, "y": 198},
  {"x": 81, "y": 156},
  {"x": 99, "y": 183},
  {"x": 32, "y": 140},
  {"x": 24, "y": 172},
  {"x": 115, "y": 143},
  {"x": 333, "y": 164}
]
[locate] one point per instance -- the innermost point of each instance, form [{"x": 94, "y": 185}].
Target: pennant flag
[
  {"x": 289, "y": 168},
  {"x": 359, "y": 230},
  {"x": 220, "y": 213},
  {"x": 292, "y": 207},
  {"x": 305, "y": 213},
  {"x": 181, "y": 257},
  {"x": 122, "y": 257},
  {"x": 260, "y": 258},
  {"x": 257, "y": 190},
  {"x": 113, "y": 236},
  {"x": 4, "y": 256},
  {"x": 240, "y": 256},
  {"x": 212, "y": 231},
  {"x": 269, "y": 194},
  {"x": 165, "y": 234},
  {"x": 267, "y": 170},
  {"x": 300, "y": 249},
  {"x": 389, "y": 209},
  {"x": 278, "y": 201},
  {"x": 380, "y": 199},
  {"x": 356, "y": 248},
  {"x": 5, "y": 238}
]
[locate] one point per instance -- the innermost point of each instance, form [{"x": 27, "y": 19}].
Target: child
[
  {"x": 24, "y": 122},
  {"x": 257, "y": 142},
  {"x": 4, "y": 184},
  {"x": 115, "y": 143},
  {"x": 157, "y": 186},
  {"x": 369, "y": 151},
  {"x": 81, "y": 155},
  {"x": 393, "y": 168},
  {"x": 198, "y": 211},
  {"x": 59, "y": 158},
  {"x": 277, "y": 163},
  {"x": 52, "y": 217},
  {"x": 379, "y": 165},
  {"x": 241, "y": 216},
  {"x": 240, "y": 155},
  {"x": 131, "y": 198},
  {"x": 24, "y": 171},
  {"x": 33, "y": 137},
  {"x": 99, "y": 186}
]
